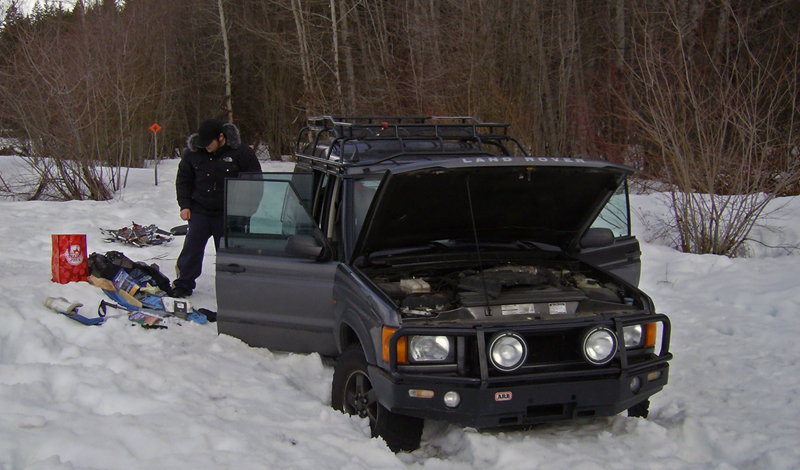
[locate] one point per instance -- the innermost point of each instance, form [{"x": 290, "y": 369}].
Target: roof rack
[{"x": 373, "y": 139}]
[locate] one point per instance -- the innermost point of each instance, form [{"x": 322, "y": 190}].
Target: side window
[
  {"x": 302, "y": 182},
  {"x": 616, "y": 214},
  {"x": 320, "y": 190},
  {"x": 331, "y": 206},
  {"x": 363, "y": 193},
  {"x": 263, "y": 214}
]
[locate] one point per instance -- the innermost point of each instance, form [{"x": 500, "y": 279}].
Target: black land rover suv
[{"x": 453, "y": 276}]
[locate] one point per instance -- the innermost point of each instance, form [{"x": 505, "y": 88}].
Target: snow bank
[{"x": 119, "y": 396}]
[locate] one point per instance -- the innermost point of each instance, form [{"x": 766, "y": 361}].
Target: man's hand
[{"x": 186, "y": 214}]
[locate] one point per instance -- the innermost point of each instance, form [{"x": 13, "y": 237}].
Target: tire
[
  {"x": 352, "y": 393},
  {"x": 639, "y": 410}
]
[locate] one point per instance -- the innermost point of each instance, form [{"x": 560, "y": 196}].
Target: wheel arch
[{"x": 352, "y": 331}]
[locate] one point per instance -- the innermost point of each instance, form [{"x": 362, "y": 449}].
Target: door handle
[{"x": 231, "y": 268}]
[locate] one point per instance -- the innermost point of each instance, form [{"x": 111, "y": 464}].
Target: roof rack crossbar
[{"x": 403, "y": 129}]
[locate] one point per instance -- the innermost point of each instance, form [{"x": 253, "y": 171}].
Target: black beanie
[{"x": 209, "y": 131}]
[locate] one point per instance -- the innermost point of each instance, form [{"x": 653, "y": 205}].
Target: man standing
[{"x": 213, "y": 153}]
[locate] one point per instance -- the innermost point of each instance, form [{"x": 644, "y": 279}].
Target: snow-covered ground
[{"x": 122, "y": 397}]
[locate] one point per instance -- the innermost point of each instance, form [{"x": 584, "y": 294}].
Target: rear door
[
  {"x": 266, "y": 296},
  {"x": 622, "y": 258}
]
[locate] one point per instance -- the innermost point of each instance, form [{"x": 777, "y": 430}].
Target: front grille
[
  {"x": 553, "y": 348},
  {"x": 550, "y": 351},
  {"x": 553, "y": 351}
]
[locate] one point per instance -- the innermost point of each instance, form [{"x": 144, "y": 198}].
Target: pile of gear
[
  {"x": 138, "y": 235},
  {"x": 139, "y": 289}
]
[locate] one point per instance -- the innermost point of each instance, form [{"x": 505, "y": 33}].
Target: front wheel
[{"x": 352, "y": 393}]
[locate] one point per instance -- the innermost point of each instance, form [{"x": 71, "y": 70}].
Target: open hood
[{"x": 501, "y": 200}]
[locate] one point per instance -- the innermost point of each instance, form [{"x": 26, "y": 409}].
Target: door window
[{"x": 262, "y": 214}]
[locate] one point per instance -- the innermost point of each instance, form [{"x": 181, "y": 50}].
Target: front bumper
[
  {"x": 518, "y": 404},
  {"x": 491, "y": 401}
]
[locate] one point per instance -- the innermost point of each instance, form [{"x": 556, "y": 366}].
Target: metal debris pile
[{"x": 138, "y": 235}]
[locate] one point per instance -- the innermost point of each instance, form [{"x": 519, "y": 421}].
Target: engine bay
[{"x": 511, "y": 291}]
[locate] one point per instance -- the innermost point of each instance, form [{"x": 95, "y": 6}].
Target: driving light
[
  {"x": 633, "y": 336},
  {"x": 428, "y": 348},
  {"x": 507, "y": 351},
  {"x": 452, "y": 399},
  {"x": 599, "y": 345}
]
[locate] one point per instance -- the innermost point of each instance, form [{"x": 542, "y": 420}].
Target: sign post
[{"x": 155, "y": 128}]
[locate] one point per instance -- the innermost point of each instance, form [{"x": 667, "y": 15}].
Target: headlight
[
  {"x": 428, "y": 348},
  {"x": 633, "y": 336},
  {"x": 599, "y": 345},
  {"x": 507, "y": 351}
]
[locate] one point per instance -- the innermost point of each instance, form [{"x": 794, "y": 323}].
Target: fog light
[
  {"x": 636, "y": 384},
  {"x": 452, "y": 399},
  {"x": 507, "y": 351},
  {"x": 599, "y": 345}
]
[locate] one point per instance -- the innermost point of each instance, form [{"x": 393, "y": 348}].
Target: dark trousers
[{"x": 190, "y": 261}]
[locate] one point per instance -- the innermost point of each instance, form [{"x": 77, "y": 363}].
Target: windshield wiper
[{"x": 531, "y": 245}]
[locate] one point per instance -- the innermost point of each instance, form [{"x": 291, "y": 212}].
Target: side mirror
[
  {"x": 597, "y": 238},
  {"x": 303, "y": 246}
]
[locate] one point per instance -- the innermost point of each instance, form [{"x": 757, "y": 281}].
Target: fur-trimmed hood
[
  {"x": 232, "y": 138},
  {"x": 200, "y": 182}
]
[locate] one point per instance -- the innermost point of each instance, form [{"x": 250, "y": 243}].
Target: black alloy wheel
[{"x": 352, "y": 393}]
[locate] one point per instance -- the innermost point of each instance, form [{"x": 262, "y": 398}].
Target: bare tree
[
  {"x": 86, "y": 118},
  {"x": 685, "y": 78},
  {"x": 719, "y": 129}
]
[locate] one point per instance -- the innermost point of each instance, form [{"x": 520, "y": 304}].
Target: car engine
[{"x": 509, "y": 290}]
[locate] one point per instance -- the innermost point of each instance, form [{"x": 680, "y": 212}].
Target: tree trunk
[
  {"x": 297, "y": 11},
  {"x": 336, "y": 74},
  {"x": 619, "y": 32},
  {"x": 348, "y": 58},
  {"x": 721, "y": 41},
  {"x": 224, "y": 29}
]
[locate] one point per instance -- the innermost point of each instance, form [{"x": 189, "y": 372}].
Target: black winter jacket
[{"x": 200, "y": 183}]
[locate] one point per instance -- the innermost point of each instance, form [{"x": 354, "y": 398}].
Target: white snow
[{"x": 118, "y": 396}]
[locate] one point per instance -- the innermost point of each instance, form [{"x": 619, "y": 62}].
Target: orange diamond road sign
[{"x": 155, "y": 128}]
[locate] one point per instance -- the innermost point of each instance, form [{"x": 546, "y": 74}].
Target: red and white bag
[{"x": 69, "y": 261}]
